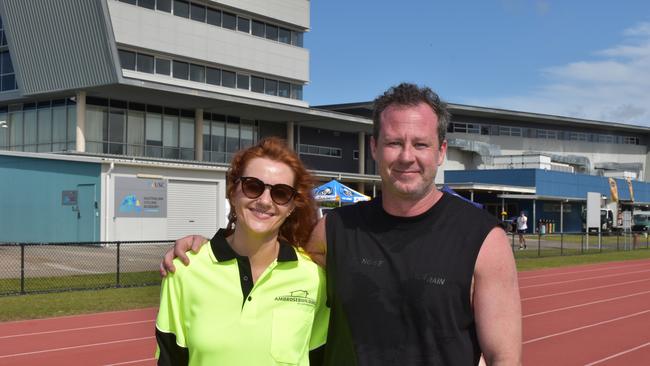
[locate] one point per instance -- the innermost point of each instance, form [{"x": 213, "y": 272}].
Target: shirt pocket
[{"x": 290, "y": 333}]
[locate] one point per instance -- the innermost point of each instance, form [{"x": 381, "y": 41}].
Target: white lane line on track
[
  {"x": 75, "y": 347},
  {"x": 130, "y": 362},
  {"x": 75, "y": 329},
  {"x": 585, "y": 327},
  {"x": 618, "y": 354},
  {"x": 583, "y": 290},
  {"x": 79, "y": 315},
  {"x": 579, "y": 272},
  {"x": 584, "y": 279},
  {"x": 587, "y": 304}
]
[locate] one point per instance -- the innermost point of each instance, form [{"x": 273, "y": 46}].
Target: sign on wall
[
  {"x": 68, "y": 198},
  {"x": 136, "y": 197}
]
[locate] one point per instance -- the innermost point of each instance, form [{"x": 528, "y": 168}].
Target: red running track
[{"x": 583, "y": 315}]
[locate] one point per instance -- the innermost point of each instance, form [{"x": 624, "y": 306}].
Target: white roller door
[{"x": 192, "y": 208}]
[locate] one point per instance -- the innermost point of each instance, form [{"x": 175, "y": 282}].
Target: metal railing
[
  {"x": 575, "y": 243},
  {"x": 51, "y": 267}
]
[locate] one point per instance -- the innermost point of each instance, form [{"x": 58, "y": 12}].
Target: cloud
[{"x": 614, "y": 86}]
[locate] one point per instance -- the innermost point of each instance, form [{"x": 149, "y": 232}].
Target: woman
[{"x": 251, "y": 297}]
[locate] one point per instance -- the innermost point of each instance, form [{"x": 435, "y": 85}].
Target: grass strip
[
  {"x": 534, "y": 262},
  {"x": 36, "y": 306}
]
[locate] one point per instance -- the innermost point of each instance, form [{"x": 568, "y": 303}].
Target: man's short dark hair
[{"x": 407, "y": 94}]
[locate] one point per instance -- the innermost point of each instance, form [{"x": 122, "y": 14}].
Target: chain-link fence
[
  {"x": 556, "y": 244},
  {"x": 47, "y": 267}
]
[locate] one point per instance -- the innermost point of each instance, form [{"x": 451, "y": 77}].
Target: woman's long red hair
[{"x": 297, "y": 228}]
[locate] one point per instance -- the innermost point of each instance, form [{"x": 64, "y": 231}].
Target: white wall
[{"x": 289, "y": 11}]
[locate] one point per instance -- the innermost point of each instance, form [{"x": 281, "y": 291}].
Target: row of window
[
  {"x": 482, "y": 129},
  {"x": 206, "y": 14},
  {"x": 330, "y": 152},
  {"x": 141, "y": 62},
  {"x": 3, "y": 37},
  {"x": 39, "y": 127},
  {"x": 7, "y": 75}
]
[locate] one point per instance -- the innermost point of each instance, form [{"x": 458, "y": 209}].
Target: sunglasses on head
[{"x": 253, "y": 188}]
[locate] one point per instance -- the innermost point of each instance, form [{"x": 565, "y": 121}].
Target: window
[
  {"x": 546, "y": 134},
  {"x": 164, "y": 5},
  {"x": 608, "y": 139},
  {"x": 284, "y": 89},
  {"x": 135, "y": 131},
  {"x": 577, "y": 136},
  {"x": 630, "y": 140},
  {"x": 145, "y": 63},
  {"x": 163, "y": 66},
  {"x": 228, "y": 79},
  {"x": 355, "y": 154},
  {"x": 186, "y": 140},
  {"x": 247, "y": 133},
  {"x": 242, "y": 81},
  {"x": 181, "y": 70},
  {"x": 153, "y": 133},
  {"x": 170, "y": 134},
  {"x": 8, "y": 78},
  {"x": 197, "y": 12},
  {"x": 270, "y": 87},
  {"x": 243, "y": 24},
  {"x": 197, "y": 73},
  {"x": 181, "y": 8},
  {"x": 271, "y": 32},
  {"x": 229, "y": 21},
  {"x": 509, "y": 131},
  {"x": 296, "y": 38},
  {"x": 44, "y": 127},
  {"x": 116, "y": 131},
  {"x": 460, "y": 127},
  {"x": 257, "y": 84},
  {"x": 296, "y": 91},
  {"x": 330, "y": 152},
  {"x": 213, "y": 76},
  {"x": 285, "y": 36},
  {"x": 149, "y": 4},
  {"x": 127, "y": 59},
  {"x": 214, "y": 17},
  {"x": 258, "y": 28}
]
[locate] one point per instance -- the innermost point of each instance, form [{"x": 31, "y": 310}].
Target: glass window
[
  {"x": 132, "y": 2},
  {"x": 197, "y": 12},
  {"x": 181, "y": 8},
  {"x": 242, "y": 81},
  {"x": 284, "y": 89},
  {"x": 218, "y": 141},
  {"x": 135, "y": 133},
  {"x": 181, "y": 70},
  {"x": 16, "y": 126},
  {"x": 5, "y": 63},
  {"x": 285, "y": 36},
  {"x": 243, "y": 24},
  {"x": 229, "y": 20},
  {"x": 163, "y": 66},
  {"x": 8, "y": 82},
  {"x": 145, "y": 63},
  {"x": 296, "y": 38},
  {"x": 127, "y": 59},
  {"x": 72, "y": 126},
  {"x": 246, "y": 131},
  {"x": 59, "y": 128},
  {"x": 257, "y": 84},
  {"x": 197, "y": 73},
  {"x": 187, "y": 138},
  {"x": 258, "y": 28},
  {"x": 96, "y": 120},
  {"x": 213, "y": 76},
  {"x": 232, "y": 137},
  {"x": 228, "y": 78},
  {"x": 149, "y": 4},
  {"x": 4, "y": 132},
  {"x": 270, "y": 87},
  {"x": 271, "y": 32},
  {"x": 116, "y": 131},
  {"x": 170, "y": 136},
  {"x": 296, "y": 91},
  {"x": 164, "y": 5},
  {"x": 44, "y": 129},
  {"x": 214, "y": 17},
  {"x": 153, "y": 134}
]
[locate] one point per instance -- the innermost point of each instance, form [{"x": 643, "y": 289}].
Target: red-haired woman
[{"x": 251, "y": 297}]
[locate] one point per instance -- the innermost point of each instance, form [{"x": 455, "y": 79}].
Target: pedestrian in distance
[
  {"x": 252, "y": 296},
  {"x": 414, "y": 276},
  {"x": 522, "y": 227}
]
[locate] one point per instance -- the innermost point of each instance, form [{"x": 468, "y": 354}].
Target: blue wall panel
[
  {"x": 519, "y": 177},
  {"x": 30, "y": 199}
]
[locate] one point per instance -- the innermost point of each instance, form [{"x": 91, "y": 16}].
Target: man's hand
[{"x": 181, "y": 246}]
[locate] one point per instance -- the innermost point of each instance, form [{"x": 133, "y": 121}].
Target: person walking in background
[
  {"x": 522, "y": 226},
  {"x": 252, "y": 296},
  {"x": 409, "y": 282}
]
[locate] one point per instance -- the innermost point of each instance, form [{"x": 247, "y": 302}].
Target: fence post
[
  {"x": 117, "y": 272},
  {"x": 22, "y": 268},
  {"x": 562, "y": 243},
  {"x": 539, "y": 245}
]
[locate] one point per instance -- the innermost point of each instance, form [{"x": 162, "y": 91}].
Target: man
[
  {"x": 522, "y": 226},
  {"x": 409, "y": 282}
]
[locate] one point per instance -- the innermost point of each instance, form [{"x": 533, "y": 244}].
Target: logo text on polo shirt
[{"x": 297, "y": 296}]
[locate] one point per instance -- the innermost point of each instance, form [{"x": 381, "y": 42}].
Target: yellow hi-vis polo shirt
[{"x": 211, "y": 313}]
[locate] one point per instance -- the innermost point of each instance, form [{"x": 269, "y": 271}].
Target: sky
[{"x": 574, "y": 58}]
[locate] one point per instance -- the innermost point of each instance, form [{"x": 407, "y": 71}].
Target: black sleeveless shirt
[{"x": 399, "y": 287}]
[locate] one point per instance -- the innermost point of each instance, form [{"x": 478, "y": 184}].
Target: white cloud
[{"x": 614, "y": 87}]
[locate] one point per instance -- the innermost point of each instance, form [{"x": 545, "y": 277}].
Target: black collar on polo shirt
[{"x": 223, "y": 252}]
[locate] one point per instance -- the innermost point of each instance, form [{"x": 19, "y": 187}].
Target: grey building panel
[{"x": 59, "y": 45}]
